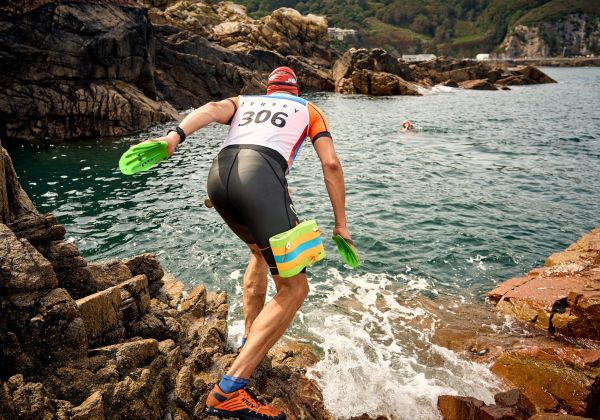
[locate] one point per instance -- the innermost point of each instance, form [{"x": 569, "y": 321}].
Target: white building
[
  {"x": 341, "y": 34},
  {"x": 418, "y": 57}
]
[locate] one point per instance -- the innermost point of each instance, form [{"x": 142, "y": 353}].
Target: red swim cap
[{"x": 282, "y": 79}]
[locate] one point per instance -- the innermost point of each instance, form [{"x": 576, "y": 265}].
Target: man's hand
[
  {"x": 343, "y": 232},
  {"x": 172, "y": 140}
]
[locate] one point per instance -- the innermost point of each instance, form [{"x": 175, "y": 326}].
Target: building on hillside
[
  {"x": 482, "y": 57},
  {"x": 341, "y": 34},
  {"x": 418, "y": 57}
]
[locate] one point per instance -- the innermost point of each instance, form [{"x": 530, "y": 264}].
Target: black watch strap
[{"x": 181, "y": 133}]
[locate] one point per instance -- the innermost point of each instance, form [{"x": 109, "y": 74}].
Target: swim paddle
[
  {"x": 143, "y": 156},
  {"x": 347, "y": 252}
]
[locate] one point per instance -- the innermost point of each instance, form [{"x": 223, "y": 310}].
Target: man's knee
[{"x": 296, "y": 286}]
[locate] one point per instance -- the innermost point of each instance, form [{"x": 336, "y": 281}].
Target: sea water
[{"x": 485, "y": 189}]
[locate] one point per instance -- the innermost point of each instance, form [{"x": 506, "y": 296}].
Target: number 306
[{"x": 277, "y": 119}]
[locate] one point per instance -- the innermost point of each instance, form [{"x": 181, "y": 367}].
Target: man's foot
[{"x": 240, "y": 404}]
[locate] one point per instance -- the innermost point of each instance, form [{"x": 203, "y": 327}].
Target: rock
[
  {"x": 29, "y": 400},
  {"x": 534, "y": 74},
  {"x": 91, "y": 409},
  {"x": 450, "y": 83},
  {"x": 148, "y": 265},
  {"x": 553, "y": 379},
  {"x": 137, "y": 288},
  {"x": 19, "y": 203},
  {"x": 53, "y": 98},
  {"x": 381, "y": 84},
  {"x": 563, "y": 297},
  {"x": 109, "y": 274},
  {"x": 195, "y": 302},
  {"x": 585, "y": 251},
  {"x": 517, "y": 400},
  {"x": 171, "y": 291},
  {"x": 459, "y": 408},
  {"x": 39, "y": 230},
  {"x": 556, "y": 416},
  {"x": 22, "y": 267},
  {"x": 481, "y": 84},
  {"x": 129, "y": 355},
  {"x": 101, "y": 315}
]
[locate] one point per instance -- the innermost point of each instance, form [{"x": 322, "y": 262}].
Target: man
[{"x": 247, "y": 186}]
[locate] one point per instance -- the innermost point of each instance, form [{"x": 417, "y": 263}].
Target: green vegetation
[
  {"x": 451, "y": 27},
  {"x": 558, "y": 8}
]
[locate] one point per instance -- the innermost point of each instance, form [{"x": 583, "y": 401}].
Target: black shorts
[{"x": 247, "y": 186}]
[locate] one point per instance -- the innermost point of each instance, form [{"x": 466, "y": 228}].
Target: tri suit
[{"x": 246, "y": 183}]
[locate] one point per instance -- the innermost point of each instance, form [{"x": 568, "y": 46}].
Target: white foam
[{"x": 377, "y": 352}]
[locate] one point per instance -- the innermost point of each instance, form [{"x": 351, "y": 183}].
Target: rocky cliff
[
  {"x": 98, "y": 68},
  {"x": 117, "y": 339},
  {"x": 74, "y": 70},
  {"x": 574, "y": 34}
]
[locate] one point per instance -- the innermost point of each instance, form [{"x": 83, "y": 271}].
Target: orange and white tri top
[{"x": 279, "y": 121}]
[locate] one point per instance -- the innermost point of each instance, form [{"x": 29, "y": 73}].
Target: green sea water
[{"x": 489, "y": 185}]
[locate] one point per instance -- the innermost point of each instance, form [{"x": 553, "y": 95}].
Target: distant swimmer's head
[
  {"x": 282, "y": 79},
  {"x": 407, "y": 125}
]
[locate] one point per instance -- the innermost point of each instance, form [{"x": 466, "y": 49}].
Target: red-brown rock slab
[
  {"x": 562, "y": 297},
  {"x": 555, "y": 378}
]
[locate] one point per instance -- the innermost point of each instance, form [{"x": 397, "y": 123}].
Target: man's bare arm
[
  {"x": 220, "y": 112},
  {"x": 334, "y": 181}
]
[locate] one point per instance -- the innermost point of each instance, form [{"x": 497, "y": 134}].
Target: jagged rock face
[
  {"x": 285, "y": 31},
  {"x": 371, "y": 73},
  {"x": 571, "y": 35},
  {"x": 75, "y": 70}
]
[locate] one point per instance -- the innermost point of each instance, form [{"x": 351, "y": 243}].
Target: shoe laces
[{"x": 253, "y": 395}]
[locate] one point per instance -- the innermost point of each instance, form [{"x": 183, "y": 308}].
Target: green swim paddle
[
  {"x": 143, "y": 156},
  {"x": 347, "y": 252}
]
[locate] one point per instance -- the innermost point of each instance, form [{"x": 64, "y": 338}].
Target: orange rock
[
  {"x": 555, "y": 378},
  {"x": 564, "y": 296}
]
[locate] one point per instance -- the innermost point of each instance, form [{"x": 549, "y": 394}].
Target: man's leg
[
  {"x": 270, "y": 324},
  {"x": 255, "y": 287}
]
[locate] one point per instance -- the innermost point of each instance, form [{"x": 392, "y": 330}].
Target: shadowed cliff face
[{"x": 74, "y": 70}]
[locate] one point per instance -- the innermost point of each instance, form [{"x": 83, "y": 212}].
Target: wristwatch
[{"x": 181, "y": 133}]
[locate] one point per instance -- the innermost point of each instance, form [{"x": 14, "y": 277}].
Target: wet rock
[
  {"x": 534, "y": 74},
  {"x": 517, "y": 400},
  {"x": 556, "y": 416},
  {"x": 563, "y": 297},
  {"x": 53, "y": 97},
  {"x": 459, "y": 408},
  {"x": 480, "y": 84},
  {"x": 553, "y": 379},
  {"x": 450, "y": 83}
]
